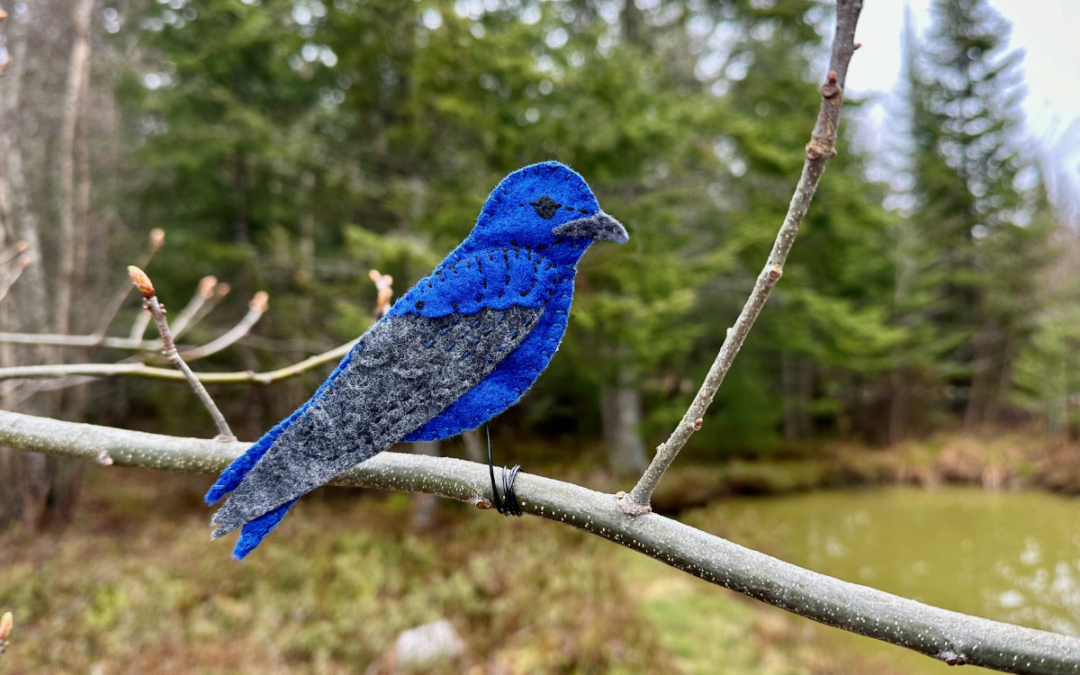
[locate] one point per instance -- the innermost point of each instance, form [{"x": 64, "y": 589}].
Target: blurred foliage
[
  {"x": 133, "y": 587},
  {"x": 292, "y": 145}
]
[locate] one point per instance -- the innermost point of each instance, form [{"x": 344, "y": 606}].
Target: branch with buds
[
  {"x": 151, "y": 304},
  {"x": 384, "y": 286},
  {"x": 6, "y": 623}
]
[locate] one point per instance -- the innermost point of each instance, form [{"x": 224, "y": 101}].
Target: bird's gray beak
[{"x": 600, "y": 226}]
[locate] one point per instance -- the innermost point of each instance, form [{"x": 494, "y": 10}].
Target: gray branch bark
[{"x": 947, "y": 636}]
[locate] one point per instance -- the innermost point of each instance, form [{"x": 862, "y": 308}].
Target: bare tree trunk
[
  {"x": 424, "y": 505},
  {"x": 789, "y": 378},
  {"x": 475, "y": 446},
  {"x": 34, "y": 488},
  {"x": 1001, "y": 393},
  {"x": 621, "y": 413},
  {"x": 23, "y": 475},
  {"x": 71, "y": 235}
]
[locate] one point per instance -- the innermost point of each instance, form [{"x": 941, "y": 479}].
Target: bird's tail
[
  {"x": 254, "y": 531},
  {"x": 234, "y": 474}
]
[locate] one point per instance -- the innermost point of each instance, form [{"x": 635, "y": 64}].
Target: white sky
[{"x": 1046, "y": 30}]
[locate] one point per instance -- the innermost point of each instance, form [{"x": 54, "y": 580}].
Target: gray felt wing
[{"x": 403, "y": 372}]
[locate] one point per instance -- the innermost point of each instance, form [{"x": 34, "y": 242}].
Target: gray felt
[
  {"x": 404, "y": 371},
  {"x": 600, "y": 226}
]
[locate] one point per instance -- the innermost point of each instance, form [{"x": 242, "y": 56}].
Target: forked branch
[{"x": 150, "y": 302}]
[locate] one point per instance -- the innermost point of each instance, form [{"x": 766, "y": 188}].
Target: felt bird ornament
[{"x": 457, "y": 349}]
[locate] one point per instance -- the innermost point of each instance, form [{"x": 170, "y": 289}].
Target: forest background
[{"x": 290, "y": 146}]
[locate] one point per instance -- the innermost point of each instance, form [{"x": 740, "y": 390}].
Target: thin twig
[
  {"x": 139, "y": 326},
  {"x": 207, "y": 296},
  {"x": 155, "y": 241},
  {"x": 941, "y": 634},
  {"x": 203, "y": 292},
  {"x": 384, "y": 286},
  {"x": 821, "y": 148},
  {"x": 14, "y": 252},
  {"x": 58, "y": 340},
  {"x": 220, "y": 291},
  {"x": 256, "y": 308},
  {"x": 6, "y": 623},
  {"x": 135, "y": 341},
  {"x": 5, "y": 287},
  {"x": 150, "y": 302},
  {"x": 141, "y": 370}
]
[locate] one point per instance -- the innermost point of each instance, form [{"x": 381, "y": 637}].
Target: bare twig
[
  {"x": 138, "y": 327},
  {"x": 384, "y": 284},
  {"x": 256, "y": 308},
  {"x": 203, "y": 292},
  {"x": 6, "y": 622},
  {"x": 156, "y": 239},
  {"x": 142, "y": 370},
  {"x": 150, "y": 302},
  {"x": 821, "y": 148},
  {"x": 135, "y": 342},
  {"x": 58, "y": 340},
  {"x": 207, "y": 295},
  {"x": 6, "y": 284},
  {"x": 14, "y": 252},
  {"x": 941, "y": 634}
]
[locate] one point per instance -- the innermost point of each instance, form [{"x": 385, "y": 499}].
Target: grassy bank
[
  {"x": 134, "y": 585},
  {"x": 993, "y": 460}
]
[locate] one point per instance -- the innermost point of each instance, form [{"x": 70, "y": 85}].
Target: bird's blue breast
[{"x": 499, "y": 278}]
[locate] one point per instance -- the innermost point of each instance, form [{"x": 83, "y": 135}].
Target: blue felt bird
[{"x": 457, "y": 349}]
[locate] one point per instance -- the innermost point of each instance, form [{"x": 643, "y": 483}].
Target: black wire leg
[{"x": 507, "y": 505}]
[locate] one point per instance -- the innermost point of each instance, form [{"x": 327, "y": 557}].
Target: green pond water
[{"x": 1009, "y": 556}]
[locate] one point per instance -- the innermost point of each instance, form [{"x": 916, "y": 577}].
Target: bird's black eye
[
  {"x": 546, "y": 207},
  {"x": 419, "y": 304}
]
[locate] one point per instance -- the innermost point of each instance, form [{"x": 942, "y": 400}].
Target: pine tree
[{"x": 968, "y": 304}]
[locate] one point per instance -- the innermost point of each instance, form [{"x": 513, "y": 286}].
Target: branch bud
[
  {"x": 21, "y": 246},
  {"x": 141, "y": 281},
  {"x": 223, "y": 290},
  {"x": 206, "y": 287},
  {"x": 260, "y": 302},
  {"x": 6, "y": 623},
  {"x": 157, "y": 238}
]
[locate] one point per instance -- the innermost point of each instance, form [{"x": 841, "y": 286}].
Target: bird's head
[{"x": 548, "y": 207}]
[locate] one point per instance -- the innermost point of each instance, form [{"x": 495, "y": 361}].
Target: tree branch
[
  {"x": 150, "y": 302},
  {"x": 206, "y": 290},
  {"x": 6, "y": 621},
  {"x": 821, "y": 148},
  {"x": 157, "y": 238},
  {"x": 256, "y": 308},
  {"x": 144, "y": 371},
  {"x": 944, "y": 635},
  {"x": 6, "y": 284},
  {"x": 14, "y": 252}
]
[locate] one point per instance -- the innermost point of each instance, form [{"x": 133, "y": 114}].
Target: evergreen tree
[{"x": 971, "y": 247}]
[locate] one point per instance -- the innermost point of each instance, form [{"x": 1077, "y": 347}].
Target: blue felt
[
  {"x": 510, "y": 258},
  {"x": 256, "y": 530},
  {"x": 509, "y": 222}
]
